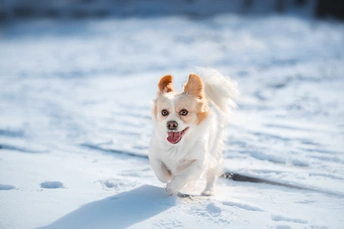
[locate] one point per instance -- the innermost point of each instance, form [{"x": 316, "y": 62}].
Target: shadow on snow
[{"x": 119, "y": 211}]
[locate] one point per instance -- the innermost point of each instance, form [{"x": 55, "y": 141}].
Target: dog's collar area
[{"x": 174, "y": 136}]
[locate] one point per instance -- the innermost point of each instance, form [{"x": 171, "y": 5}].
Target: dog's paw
[
  {"x": 208, "y": 192},
  {"x": 171, "y": 192},
  {"x": 172, "y": 189}
]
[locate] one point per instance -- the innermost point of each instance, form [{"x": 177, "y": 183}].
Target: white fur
[{"x": 200, "y": 150}]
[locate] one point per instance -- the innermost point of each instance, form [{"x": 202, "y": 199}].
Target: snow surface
[{"x": 75, "y": 107}]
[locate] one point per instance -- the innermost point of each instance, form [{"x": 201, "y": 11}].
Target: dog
[{"x": 189, "y": 129}]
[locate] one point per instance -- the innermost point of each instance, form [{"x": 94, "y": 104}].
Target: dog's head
[{"x": 178, "y": 113}]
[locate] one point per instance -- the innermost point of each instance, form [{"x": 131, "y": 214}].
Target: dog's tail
[{"x": 219, "y": 89}]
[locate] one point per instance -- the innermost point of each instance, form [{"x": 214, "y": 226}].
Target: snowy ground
[{"x": 75, "y": 94}]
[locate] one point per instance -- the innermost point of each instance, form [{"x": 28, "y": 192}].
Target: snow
[{"x": 75, "y": 108}]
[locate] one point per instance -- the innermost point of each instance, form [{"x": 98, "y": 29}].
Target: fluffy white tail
[{"x": 219, "y": 89}]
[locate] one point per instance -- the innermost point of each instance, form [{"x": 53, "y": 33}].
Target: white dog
[{"x": 189, "y": 127}]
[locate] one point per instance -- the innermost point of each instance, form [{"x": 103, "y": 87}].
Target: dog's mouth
[{"x": 174, "y": 136}]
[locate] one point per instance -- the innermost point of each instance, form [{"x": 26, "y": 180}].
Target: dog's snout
[{"x": 172, "y": 125}]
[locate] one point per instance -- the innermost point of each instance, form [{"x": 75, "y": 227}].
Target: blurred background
[{"x": 10, "y": 9}]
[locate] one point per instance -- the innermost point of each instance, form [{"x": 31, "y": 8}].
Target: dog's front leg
[
  {"x": 160, "y": 170},
  {"x": 190, "y": 170}
]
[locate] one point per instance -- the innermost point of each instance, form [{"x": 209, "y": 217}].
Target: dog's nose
[{"x": 172, "y": 125}]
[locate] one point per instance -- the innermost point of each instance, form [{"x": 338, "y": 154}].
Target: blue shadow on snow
[{"x": 119, "y": 211}]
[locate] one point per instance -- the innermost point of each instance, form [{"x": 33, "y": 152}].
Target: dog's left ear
[
  {"x": 165, "y": 84},
  {"x": 194, "y": 86}
]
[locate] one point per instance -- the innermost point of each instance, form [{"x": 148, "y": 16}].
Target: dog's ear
[
  {"x": 165, "y": 84},
  {"x": 194, "y": 86}
]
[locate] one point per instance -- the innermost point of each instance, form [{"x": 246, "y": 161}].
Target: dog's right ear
[{"x": 165, "y": 84}]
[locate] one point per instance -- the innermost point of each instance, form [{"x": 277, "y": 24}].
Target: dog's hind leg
[{"x": 210, "y": 187}]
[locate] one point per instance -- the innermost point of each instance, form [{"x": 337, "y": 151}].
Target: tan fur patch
[
  {"x": 194, "y": 86},
  {"x": 165, "y": 84},
  {"x": 155, "y": 109},
  {"x": 202, "y": 110},
  {"x": 203, "y": 113}
]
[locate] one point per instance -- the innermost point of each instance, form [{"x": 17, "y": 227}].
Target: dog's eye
[
  {"x": 164, "y": 112},
  {"x": 183, "y": 112}
]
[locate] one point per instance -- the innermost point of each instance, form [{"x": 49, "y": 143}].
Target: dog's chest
[{"x": 176, "y": 160}]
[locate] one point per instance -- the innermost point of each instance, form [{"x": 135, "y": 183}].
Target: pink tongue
[{"x": 174, "y": 137}]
